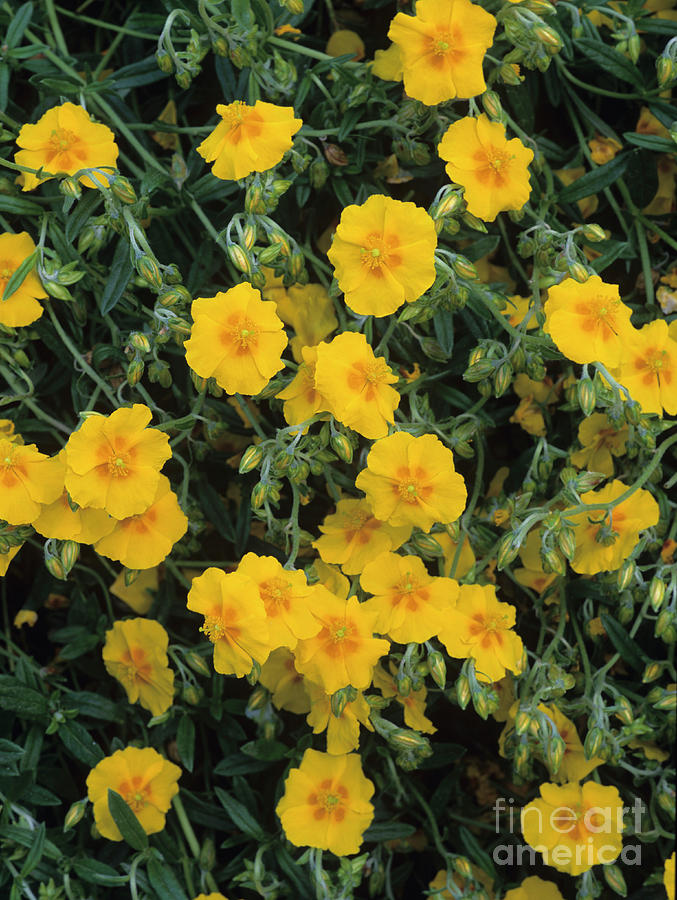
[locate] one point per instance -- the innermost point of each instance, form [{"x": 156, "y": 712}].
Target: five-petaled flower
[
  {"x": 135, "y": 653},
  {"x": 21, "y": 307}
]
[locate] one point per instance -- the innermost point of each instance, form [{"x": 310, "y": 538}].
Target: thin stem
[
  {"x": 189, "y": 834},
  {"x": 101, "y": 24},
  {"x": 295, "y": 529},
  {"x": 56, "y": 28},
  {"x": 467, "y": 515}
]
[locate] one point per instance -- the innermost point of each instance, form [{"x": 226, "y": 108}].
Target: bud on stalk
[{"x": 251, "y": 459}]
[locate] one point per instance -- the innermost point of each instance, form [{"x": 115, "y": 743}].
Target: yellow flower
[
  {"x": 6, "y": 559},
  {"x": 663, "y": 202},
  {"x": 135, "y": 653},
  {"x": 493, "y": 170},
  {"x": 603, "y": 149},
  {"x": 7, "y": 431},
  {"x": 64, "y": 141},
  {"x": 343, "y": 732},
  {"x": 529, "y": 417},
  {"x": 343, "y": 652},
  {"x": 388, "y": 64},
  {"x": 411, "y": 604},
  {"x": 144, "y": 540},
  {"x": 332, "y": 579},
  {"x": 146, "y": 782},
  {"x": 532, "y": 575},
  {"x": 648, "y": 368},
  {"x": 575, "y": 826},
  {"x": 343, "y": 42},
  {"x": 287, "y": 597},
  {"x": 543, "y": 392},
  {"x": 383, "y": 254},
  {"x": 588, "y": 321},
  {"x": 249, "y": 138},
  {"x": 301, "y": 398},
  {"x": 517, "y": 310},
  {"x": 669, "y": 876},
  {"x": 605, "y": 540},
  {"x": 234, "y": 620},
  {"x": 413, "y": 703},
  {"x": 412, "y": 481},
  {"x": 22, "y": 307},
  {"x": 113, "y": 462},
  {"x": 453, "y": 885},
  {"x": 237, "y": 339},
  {"x": 599, "y": 439},
  {"x": 215, "y": 895},
  {"x": 308, "y": 309},
  {"x": 326, "y": 803},
  {"x": 287, "y": 686},
  {"x": 353, "y": 535},
  {"x": 28, "y": 478},
  {"x": 534, "y": 888},
  {"x": 25, "y": 617},
  {"x": 442, "y": 49},
  {"x": 649, "y": 124},
  {"x": 480, "y": 627},
  {"x": 168, "y": 140},
  {"x": 356, "y": 384},
  {"x": 139, "y": 595},
  {"x": 466, "y": 559}
]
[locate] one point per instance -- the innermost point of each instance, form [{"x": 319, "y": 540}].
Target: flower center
[
  {"x": 62, "y": 145},
  {"x": 214, "y": 628},
  {"x": 7, "y": 269},
  {"x": 378, "y": 251},
  {"x": 276, "y": 595},
  {"x": 243, "y": 333},
  {"x": 134, "y": 667},
  {"x": 340, "y": 632},
  {"x": 408, "y": 491},
  {"x": 117, "y": 465},
  {"x": 136, "y": 794},
  {"x": 235, "y": 113},
  {"x": 441, "y": 44},
  {"x": 329, "y": 801}
]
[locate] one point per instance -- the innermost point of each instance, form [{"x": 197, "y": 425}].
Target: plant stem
[
  {"x": 189, "y": 834},
  {"x": 56, "y": 28}
]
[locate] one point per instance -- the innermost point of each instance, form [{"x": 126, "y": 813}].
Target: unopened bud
[
  {"x": 474, "y": 223},
  {"x": 197, "y": 663},
  {"x": 60, "y": 291},
  {"x": 593, "y": 742},
  {"x": 462, "y": 691},
  {"x": 614, "y": 878},
  {"x": 207, "y": 855},
  {"x": 555, "y": 753},
  {"x": 594, "y": 233},
  {"x": 578, "y": 272},
  {"x": 427, "y": 545},
  {"x": 587, "y": 396},
  {"x": 465, "y": 269},
  {"x": 74, "y": 814},
  {"x": 479, "y": 371},
  {"x": 492, "y": 104},
  {"x": 549, "y": 37},
  {"x": 191, "y": 694},
  {"x": 566, "y": 541},
  {"x": 341, "y": 447},
  {"x": 656, "y": 593},
  {"x": 251, "y": 459},
  {"x": 507, "y": 550},
  {"x": 502, "y": 379},
  {"x": 164, "y": 61},
  {"x": 148, "y": 268},
  {"x": 135, "y": 371},
  {"x": 258, "y": 698},
  {"x": 437, "y": 668},
  {"x": 69, "y": 187},
  {"x": 406, "y": 739},
  {"x": 523, "y": 721},
  {"x": 665, "y": 626},
  {"x": 176, "y": 294},
  {"x": 239, "y": 258},
  {"x": 625, "y": 574},
  {"x": 509, "y": 74},
  {"x": 123, "y": 190},
  {"x": 667, "y": 702},
  {"x": 665, "y": 71},
  {"x": 666, "y": 799},
  {"x": 258, "y": 495}
]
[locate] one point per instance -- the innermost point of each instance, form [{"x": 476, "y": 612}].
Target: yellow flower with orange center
[
  {"x": 139, "y": 593},
  {"x": 353, "y": 535},
  {"x": 249, "y": 138},
  {"x": 532, "y": 575},
  {"x": 287, "y": 597},
  {"x": 575, "y": 826},
  {"x": 326, "y": 803},
  {"x": 113, "y": 462},
  {"x": 413, "y": 703},
  {"x": 356, "y": 384},
  {"x": 600, "y": 440},
  {"x": 603, "y": 149},
  {"x": 383, "y": 253},
  {"x": 493, "y": 171},
  {"x": 146, "y": 782},
  {"x": 442, "y": 49},
  {"x": 28, "y": 479},
  {"x": 63, "y": 142},
  {"x": 466, "y": 558},
  {"x": 309, "y": 310},
  {"x": 344, "y": 651},
  {"x": 588, "y": 321},
  {"x": 480, "y": 627},
  {"x": 517, "y": 310},
  {"x": 534, "y": 888},
  {"x": 648, "y": 368},
  {"x": 145, "y": 539},
  {"x": 135, "y": 653},
  {"x": 21, "y": 307},
  {"x": 412, "y": 481},
  {"x": 286, "y": 685},
  {"x": 302, "y": 400},
  {"x": 411, "y": 604},
  {"x": 604, "y": 540},
  {"x": 343, "y": 732},
  {"x": 237, "y": 338},
  {"x": 235, "y": 620}
]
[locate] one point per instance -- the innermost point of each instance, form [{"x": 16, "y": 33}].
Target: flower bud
[
  {"x": 258, "y": 495},
  {"x": 614, "y": 878},
  {"x": 148, "y": 268},
  {"x": 55, "y": 567},
  {"x": 555, "y": 753},
  {"x": 656, "y": 593},
  {"x": 578, "y": 272},
  {"x": 479, "y": 371},
  {"x": 207, "y": 858},
  {"x": 474, "y": 223},
  {"x": 594, "y": 233},
  {"x": 462, "y": 691},
  {"x": 593, "y": 742},
  {"x": 666, "y": 798},
  {"x": 523, "y": 721},
  {"x": 74, "y": 814},
  {"x": 164, "y": 61},
  {"x": 123, "y": 190},
  {"x": 406, "y": 739},
  {"x": 191, "y": 694},
  {"x": 566, "y": 541},
  {"x": 465, "y": 269},
  {"x": 625, "y": 574},
  {"x": 54, "y": 289},
  {"x": 587, "y": 396},
  {"x": 522, "y": 757},
  {"x": 427, "y": 545},
  {"x": 197, "y": 663},
  {"x": 258, "y": 698},
  {"x": 176, "y": 294},
  {"x": 251, "y": 459},
  {"x": 668, "y": 701},
  {"x": 239, "y": 258},
  {"x": 403, "y": 684},
  {"x": 179, "y": 325},
  {"x": 507, "y": 550},
  {"x": 502, "y": 379},
  {"x": 437, "y": 668},
  {"x": 548, "y": 36},
  {"x": 492, "y": 105},
  {"x": 624, "y": 711},
  {"x": 341, "y": 447},
  {"x": 509, "y": 74},
  {"x": 665, "y": 626},
  {"x": 135, "y": 372},
  {"x": 69, "y": 187}
]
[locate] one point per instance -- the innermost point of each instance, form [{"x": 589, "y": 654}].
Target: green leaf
[
  {"x": 34, "y": 855},
  {"x": 95, "y": 872},
  {"x": 4, "y": 85},
  {"x": 118, "y": 278},
  {"x": 595, "y": 181},
  {"x": 269, "y": 751},
  {"x": 650, "y": 142},
  {"x": 130, "y": 827},
  {"x": 473, "y": 849},
  {"x": 610, "y": 60},
  {"x": 10, "y": 752},
  {"x": 641, "y": 177},
  {"x": 19, "y": 275},
  {"x": 93, "y": 705},
  {"x": 240, "y": 815},
  {"x": 24, "y": 837},
  {"x": 387, "y": 831},
  {"x": 443, "y": 323},
  {"x": 242, "y": 13},
  {"x": 79, "y": 646},
  {"x": 83, "y": 211},
  {"x": 185, "y": 742},
  {"x": 25, "y": 702},
  {"x": 80, "y": 744},
  {"x": 18, "y": 24},
  {"x": 164, "y": 882},
  {"x": 630, "y": 651},
  {"x": 18, "y": 206}
]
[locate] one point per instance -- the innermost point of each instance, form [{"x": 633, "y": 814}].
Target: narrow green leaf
[
  {"x": 4, "y": 85},
  {"x": 443, "y": 323},
  {"x": 130, "y": 827},
  {"x": 34, "y": 855},
  {"x": 95, "y": 872},
  {"x": 18, "y": 206},
  {"x": 19, "y": 275},
  {"x": 185, "y": 742},
  {"x": 595, "y": 181},
  {"x": 164, "y": 882},
  {"x": 25, "y": 702},
  {"x": 624, "y": 644},
  {"x": 473, "y": 850},
  {"x": 650, "y": 142},
  {"x": 18, "y": 24},
  {"x": 610, "y": 60},
  {"x": 81, "y": 214},
  {"x": 80, "y": 744},
  {"x": 379, "y": 832},
  {"x": 240, "y": 815},
  {"x": 120, "y": 272}
]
